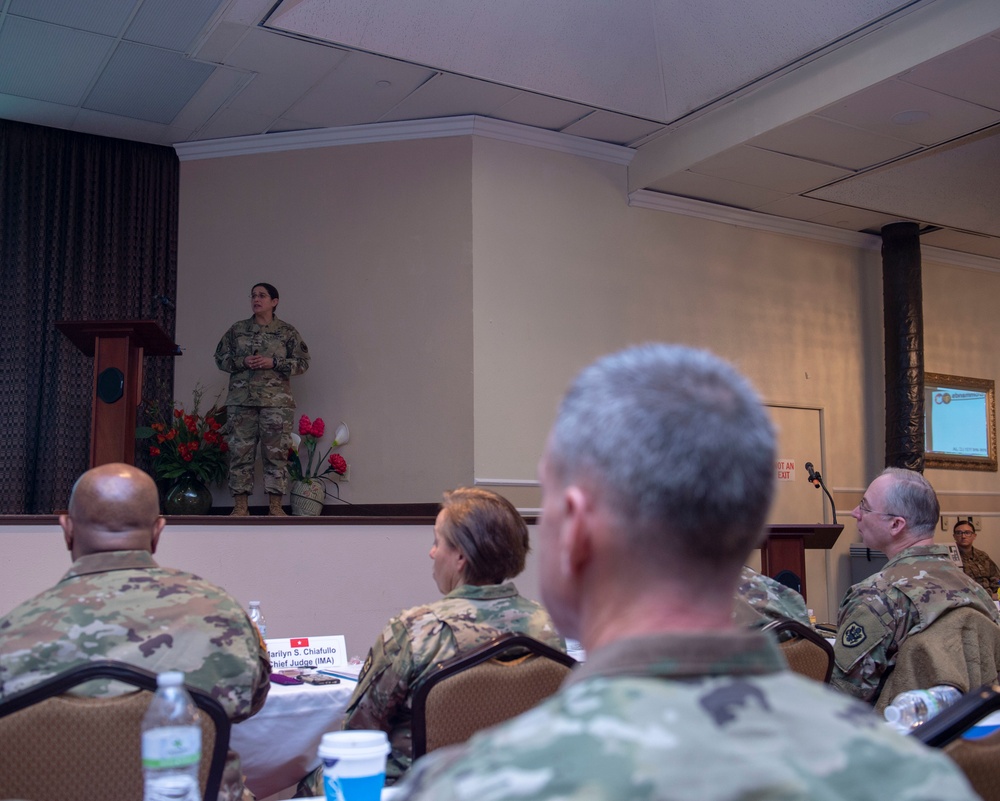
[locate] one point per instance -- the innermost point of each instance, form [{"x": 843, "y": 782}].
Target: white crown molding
[
  {"x": 675, "y": 204},
  {"x": 469, "y": 125}
]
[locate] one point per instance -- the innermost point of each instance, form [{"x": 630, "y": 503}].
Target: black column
[{"x": 902, "y": 302}]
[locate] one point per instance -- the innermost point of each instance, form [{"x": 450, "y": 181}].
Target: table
[{"x": 278, "y": 745}]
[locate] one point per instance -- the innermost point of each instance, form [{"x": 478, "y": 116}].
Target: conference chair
[
  {"x": 979, "y": 759},
  {"x": 495, "y": 682},
  {"x": 960, "y": 648},
  {"x": 806, "y": 652},
  {"x": 56, "y": 745}
]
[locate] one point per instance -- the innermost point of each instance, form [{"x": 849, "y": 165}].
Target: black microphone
[
  {"x": 163, "y": 300},
  {"x": 814, "y": 477}
]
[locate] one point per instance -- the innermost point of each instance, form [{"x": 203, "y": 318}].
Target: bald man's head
[{"x": 113, "y": 507}]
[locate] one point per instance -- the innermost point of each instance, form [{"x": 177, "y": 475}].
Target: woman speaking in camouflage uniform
[{"x": 260, "y": 354}]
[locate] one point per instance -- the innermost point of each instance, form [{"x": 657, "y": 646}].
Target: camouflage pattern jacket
[
  {"x": 760, "y": 599},
  {"x": 980, "y": 568},
  {"x": 413, "y": 644},
  {"x": 913, "y": 590},
  {"x": 261, "y": 387},
  {"x": 121, "y": 605},
  {"x": 689, "y": 717}
]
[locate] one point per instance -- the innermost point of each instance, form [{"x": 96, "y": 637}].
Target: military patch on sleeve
[{"x": 853, "y": 636}]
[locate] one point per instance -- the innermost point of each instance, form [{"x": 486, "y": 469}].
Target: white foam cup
[{"x": 353, "y": 764}]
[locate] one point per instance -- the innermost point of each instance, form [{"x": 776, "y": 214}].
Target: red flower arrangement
[
  {"x": 310, "y": 432},
  {"x": 187, "y": 443}
]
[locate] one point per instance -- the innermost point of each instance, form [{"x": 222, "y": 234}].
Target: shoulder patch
[{"x": 853, "y": 636}]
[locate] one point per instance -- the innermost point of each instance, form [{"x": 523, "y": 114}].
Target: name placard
[{"x": 301, "y": 651}]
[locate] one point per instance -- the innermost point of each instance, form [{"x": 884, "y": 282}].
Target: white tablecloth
[{"x": 278, "y": 745}]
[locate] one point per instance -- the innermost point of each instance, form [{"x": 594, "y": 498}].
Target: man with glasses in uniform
[
  {"x": 897, "y": 515},
  {"x": 976, "y": 563}
]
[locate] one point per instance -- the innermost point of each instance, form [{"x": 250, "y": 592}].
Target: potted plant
[
  {"x": 189, "y": 453},
  {"x": 310, "y": 474}
]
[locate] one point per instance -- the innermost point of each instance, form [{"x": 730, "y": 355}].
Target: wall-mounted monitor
[{"x": 959, "y": 423}]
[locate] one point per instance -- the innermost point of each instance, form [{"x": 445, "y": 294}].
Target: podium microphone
[
  {"x": 814, "y": 477},
  {"x": 163, "y": 300},
  {"x": 817, "y": 481}
]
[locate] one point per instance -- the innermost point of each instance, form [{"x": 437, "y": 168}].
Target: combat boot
[
  {"x": 276, "y": 510},
  {"x": 239, "y": 506}
]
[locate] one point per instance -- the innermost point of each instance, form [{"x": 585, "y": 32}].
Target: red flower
[
  {"x": 154, "y": 451},
  {"x": 157, "y": 426},
  {"x": 305, "y": 426},
  {"x": 213, "y": 423},
  {"x": 338, "y": 463},
  {"x": 178, "y": 412},
  {"x": 171, "y": 433},
  {"x": 318, "y": 427},
  {"x": 224, "y": 446},
  {"x": 187, "y": 457}
]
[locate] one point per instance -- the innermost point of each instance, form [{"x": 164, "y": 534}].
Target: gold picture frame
[{"x": 966, "y": 440}]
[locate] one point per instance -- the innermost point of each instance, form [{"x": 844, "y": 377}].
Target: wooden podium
[
  {"x": 784, "y": 548},
  {"x": 118, "y": 347}
]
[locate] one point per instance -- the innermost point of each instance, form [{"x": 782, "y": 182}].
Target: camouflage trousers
[{"x": 272, "y": 428}]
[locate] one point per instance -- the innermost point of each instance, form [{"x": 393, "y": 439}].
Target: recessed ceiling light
[
  {"x": 911, "y": 117},
  {"x": 383, "y": 84}
]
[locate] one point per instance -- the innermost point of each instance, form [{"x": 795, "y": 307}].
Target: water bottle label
[
  {"x": 171, "y": 747},
  {"x": 357, "y": 788}
]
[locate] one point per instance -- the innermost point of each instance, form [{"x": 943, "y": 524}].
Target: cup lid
[{"x": 354, "y": 742}]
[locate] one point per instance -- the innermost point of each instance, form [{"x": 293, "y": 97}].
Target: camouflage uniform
[
  {"x": 913, "y": 590},
  {"x": 980, "y": 568},
  {"x": 259, "y": 402},
  {"x": 121, "y": 605},
  {"x": 689, "y": 717},
  {"x": 761, "y": 599},
  {"x": 413, "y": 644}
]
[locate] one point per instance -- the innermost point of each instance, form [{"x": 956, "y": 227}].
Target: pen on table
[{"x": 347, "y": 676}]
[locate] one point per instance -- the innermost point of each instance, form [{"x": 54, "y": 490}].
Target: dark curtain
[{"x": 88, "y": 231}]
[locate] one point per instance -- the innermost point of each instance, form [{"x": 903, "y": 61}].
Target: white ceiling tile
[
  {"x": 589, "y": 53},
  {"x": 107, "y": 17},
  {"x": 854, "y": 219},
  {"x": 217, "y": 45},
  {"x": 962, "y": 242},
  {"x": 875, "y": 108},
  {"x": 716, "y": 190},
  {"x": 969, "y": 73},
  {"x": 234, "y": 122},
  {"x": 540, "y": 111},
  {"x": 797, "y": 207},
  {"x": 954, "y": 186},
  {"x": 615, "y": 128},
  {"x": 833, "y": 143},
  {"x": 35, "y": 55},
  {"x": 262, "y": 50},
  {"x": 447, "y": 95},
  {"x": 751, "y": 165},
  {"x": 171, "y": 24},
  {"x": 247, "y": 12},
  {"x": 360, "y": 90},
  {"x": 269, "y": 94},
  {"x": 220, "y": 87},
  {"x": 146, "y": 83},
  {"x": 101, "y": 124},
  {"x": 37, "y": 112}
]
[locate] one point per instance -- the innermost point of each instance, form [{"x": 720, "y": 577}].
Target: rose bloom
[
  {"x": 154, "y": 451},
  {"x": 338, "y": 463}
]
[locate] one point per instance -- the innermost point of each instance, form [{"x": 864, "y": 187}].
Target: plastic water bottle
[
  {"x": 258, "y": 619},
  {"x": 171, "y": 743},
  {"x": 908, "y": 710}
]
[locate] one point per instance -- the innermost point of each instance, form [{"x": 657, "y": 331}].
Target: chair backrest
[
  {"x": 978, "y": 759},
  {"x": 495, "y": 682},
  {"x": 961, "y": 648},
  {"x": 57, "y": 746},
  {"x": 806, "y": 652}
]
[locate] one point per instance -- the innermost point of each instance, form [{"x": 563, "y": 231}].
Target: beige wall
[
  {"x": 311, "y": 580},
  {"x": 449, "y": 289}
]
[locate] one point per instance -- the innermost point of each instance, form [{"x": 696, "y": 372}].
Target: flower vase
[
  {"x": 307, "y": 497},
  {"x": 188, "y": 496}
]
